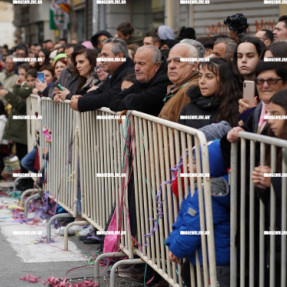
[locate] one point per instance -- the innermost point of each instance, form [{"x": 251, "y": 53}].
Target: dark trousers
[{"x": 21, "y": 151}]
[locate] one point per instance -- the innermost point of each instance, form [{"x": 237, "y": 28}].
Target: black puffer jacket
[
  {"x": 204, "y": 108},
  {"x": 105, "y": 93},
  {"x": 144, "y": 97}
]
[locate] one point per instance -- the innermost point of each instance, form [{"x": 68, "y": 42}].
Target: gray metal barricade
[
  {"x": 263, "y": 150},
  {"x": 144, "y": 147},
  {"x": 101, "y": 146},
  {"x": 62, "y": 171},
  {"x": 158, "y": 145}
]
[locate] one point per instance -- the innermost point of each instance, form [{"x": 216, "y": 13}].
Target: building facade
[{"x": 87, "y": 17}]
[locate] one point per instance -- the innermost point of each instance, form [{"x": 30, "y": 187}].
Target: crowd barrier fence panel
[
  {"x": 62, "y": 169},
  {"x": 257, "y": 146},
  {"x": 101, "y": 143},
  {"x": 158, "y": 146}
]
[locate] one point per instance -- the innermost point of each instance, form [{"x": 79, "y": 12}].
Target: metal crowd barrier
[
  {"x": 150, "y": 147},
  {"x": 250, "y": 269},
  {"x": 62, "y": 170},
  {"x": 144, "y": 148},
  {"x": 158, "y": 147},
  {"x": 101, "y": 146},
  {"x": 33, "y": 125}
]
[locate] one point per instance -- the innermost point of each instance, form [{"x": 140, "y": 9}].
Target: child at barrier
[
  {"x": 185, "y": 238},
  {"x": 42, "y": 88},
  {"x": 277, "y": 128}
]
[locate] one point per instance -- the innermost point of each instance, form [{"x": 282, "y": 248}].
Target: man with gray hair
[
  {"x": 147, "y": 94},
  {"x": 183, "y": 73},
  {"x": 116, "y": 62},
  {"x": 224, "y": 48},
  {"x": 197, "y": 45},
  {"x": 8, "y": 78}
]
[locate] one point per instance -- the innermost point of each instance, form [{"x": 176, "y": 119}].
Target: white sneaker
[{"x": 86, "y": 230}]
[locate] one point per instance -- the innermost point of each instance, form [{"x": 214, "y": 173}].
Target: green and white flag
[{"x": 59, "y": 17}]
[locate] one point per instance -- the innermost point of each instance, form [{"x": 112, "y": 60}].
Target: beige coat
[{"x": 174, "y": 104}]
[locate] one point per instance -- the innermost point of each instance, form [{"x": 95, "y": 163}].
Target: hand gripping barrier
[
  {"x": 256, "y": 231},
  {"x": 62, "y": 173}
]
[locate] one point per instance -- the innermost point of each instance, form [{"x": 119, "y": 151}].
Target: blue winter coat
[{"x": 188, "y": 220}]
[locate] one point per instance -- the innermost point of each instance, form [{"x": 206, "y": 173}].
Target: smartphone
[
  {"x": 60, "y": 87},
  {"x": 249, "y": 91},
  {"x": 40, "y": 76}
]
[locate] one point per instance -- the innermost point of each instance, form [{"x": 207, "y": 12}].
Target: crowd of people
[{"x": 195, "y": 81}]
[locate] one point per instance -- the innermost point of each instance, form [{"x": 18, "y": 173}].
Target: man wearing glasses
[
  {"x": 270, "y": 78},
  {"x": 182, "y": 72}
]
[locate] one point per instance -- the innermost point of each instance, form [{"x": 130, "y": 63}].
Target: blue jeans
[{"x": 29, "y": 159}]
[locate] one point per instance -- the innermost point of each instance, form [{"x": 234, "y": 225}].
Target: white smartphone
[{"x": 249, "y": 91}]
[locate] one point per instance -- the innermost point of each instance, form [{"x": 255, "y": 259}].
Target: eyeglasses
[
  {"x": 98, "y": 68},
  {"x": 270, "y": 81},
  {"x": 176, "y": 60}
]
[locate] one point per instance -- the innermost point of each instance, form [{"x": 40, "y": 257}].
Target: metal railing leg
[
  {"x": 35, "y": 196},
  {"x": 52, "y": 219},
  {"x": 25, "y": 193},
  {"x": 67, "y": 229},
  {"x": 102, "y": 256},
  {"x": 15, "y": 182},
  {"x": 122, "y": 262}
]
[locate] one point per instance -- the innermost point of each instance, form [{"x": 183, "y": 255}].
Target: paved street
[{"x": 22, "y": 254}]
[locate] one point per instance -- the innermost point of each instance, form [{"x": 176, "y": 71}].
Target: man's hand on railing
[
  {"x": 258, "y": 177},
  {"x": 74, "y": 102},
  {"x": 232, "y": 135},
  {"x": 123, "y": 113}
]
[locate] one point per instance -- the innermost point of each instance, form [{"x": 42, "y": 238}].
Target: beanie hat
[
  {"x": 59, "y": 56},
  {"x": 88, "y": 45},
  {"x": 186, "y": 33},
  {"x": 216, "y": 162},
  {"x": 164, "y": 32}
]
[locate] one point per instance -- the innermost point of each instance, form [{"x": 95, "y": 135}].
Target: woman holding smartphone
[
  {"x": 44, "y": 81},
  {"x": 247, "y": 58},
  {"x": 84, "y": 61}
]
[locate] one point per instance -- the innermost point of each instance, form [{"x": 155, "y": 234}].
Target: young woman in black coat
[{"x": 216, "y": 97}]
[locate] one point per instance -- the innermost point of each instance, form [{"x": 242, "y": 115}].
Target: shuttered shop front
[{"x": 208, "y": 19}]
